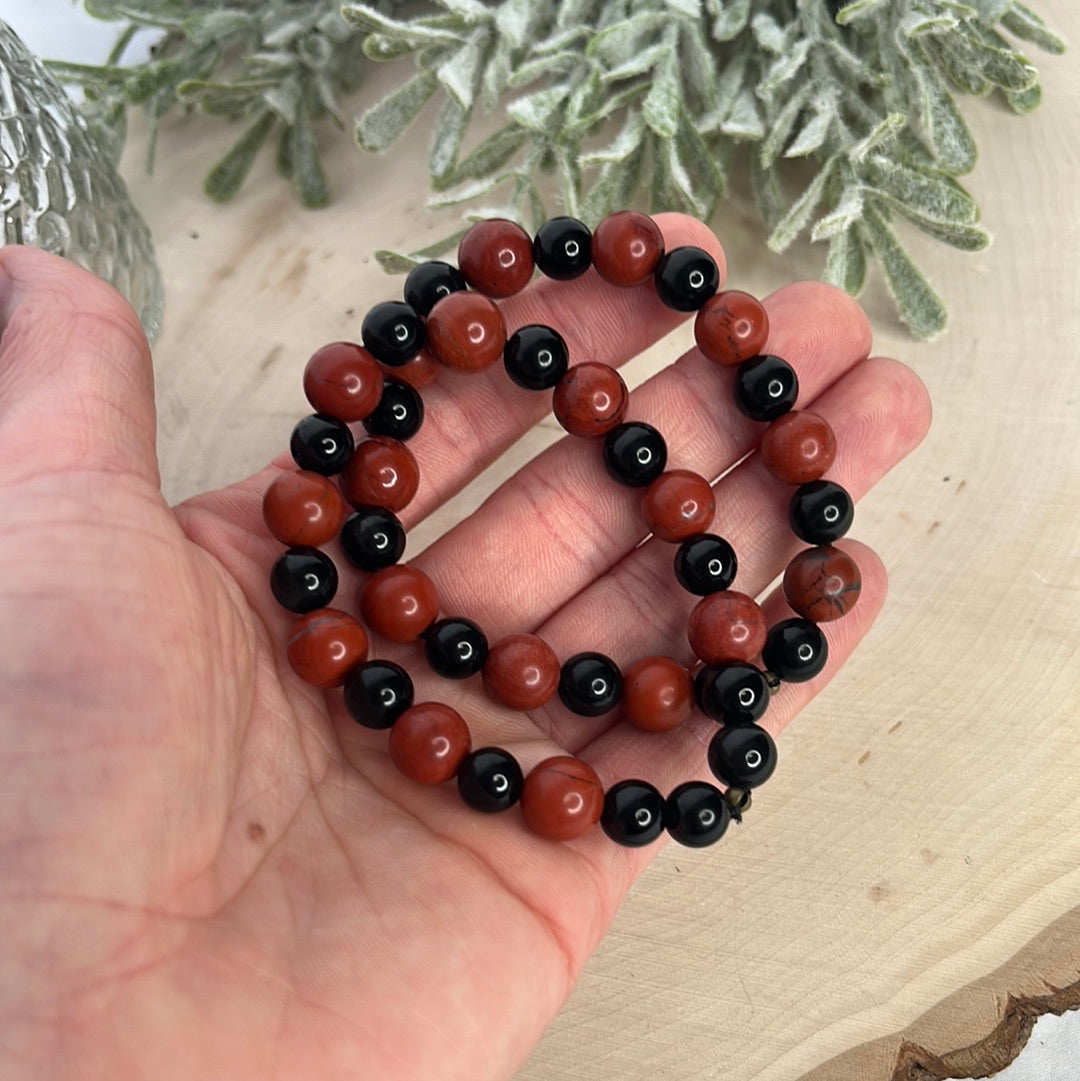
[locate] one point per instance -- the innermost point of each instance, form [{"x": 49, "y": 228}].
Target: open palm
[{"x": 206, "y": 869}]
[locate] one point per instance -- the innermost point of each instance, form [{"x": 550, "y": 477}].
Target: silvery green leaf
[
  {"x": 394, "y": 262},
  {"x": 217, "y": 25},
  {"x": 664, "y": 103},
  {"x": 223, "y": 99},
  {"x": 690, "y": 8},
  {"x": 769, "y": 35},
  {"x": 307, "y": 171},
  {"x": 573, "y": 14},
  {"x": 1023, "y": 23},
  {"x": 731, "y": 81},
  {"x": 767, "y": 194},
  {"x": 335, "y": 28},
  {"x": 781, "y": 127},
  {"x": 375, "y": 22},
  {"x": 884, "y": 131},
  {"x": 860, "y": 9},
  {"x": 731, "y": 20},
  {"x": 387, "y": 47},
  {"x": 622, "y": 42},
  {"x": 785, "y": 67},
  {"x": 517, "y": 20},
  {"x": 813, "y": 135},
  {"x": 975, "y": 53},
  {"x": 967, "y": 237},
  {"x": 949, "y": 136},
  {"x": 570, "y": 176},
  {"x": 284, "y": 99},
  {"x": 446, "y": 143},
  {"x": 228, "y": 175},
  {"x": 464, "y": 193},
  {"x": 471, "y": 11},
  {"x": 802, "y": 210},
  {"x": 539, "y": 111},
  {"x": 496, "y": 75},
  {"x": 285, "y": 33},
  {"x": 698, "y": 66},
  {"x": 1023, "y": 101},
  {"x": 845, "y": 266},
  {"x": 621, "y": 146},
  {"x": 641, "y": 62},
  {"x": 582, "y": 105},
  {"x": 381, "y": 125},
  {"x": 461, "y": 73},
  {"x": 915, "y": 22},
  {"x": 702, "y": 164},
  {"x": 929, "y": 193},
  {"x": 744, "y": 121},
  {"x": 554, "y": 64},
  {"x": 491, "y": 155},
  {"x": 839, "y": 220},
  {"x": 696, "y": 201},
  {"x": 562, "y": 40}
]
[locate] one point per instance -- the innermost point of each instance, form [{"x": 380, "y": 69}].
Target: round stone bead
[
  {"x": 428, "y": 742},
  {"x": 726, "y": 626},
  {"x": 696, "y": 814},
  {"x": 521, "y": 671},
  {"x": 372, "y": 538},
  {"x": 562, "y": 798},
  {"x": 466, "y": 332},
  {"x": 536, "y": 357},
  {"x": 731, "y": 327},
  {"x": 562, "y": 248},
  {"x": 635, "y": 453},
  {"x": 399, "y": 414},
  {"x": 392, "y": 332},
  {"x": 626, "y": 248},
  {"x": 382, "y": 473},
  {"x": 377, "y": 693},
  {"x": 658, "y": 694},
  {"x": 686, "y": 277},
  {"x": 490, "y": 780},
  {"x": 343, "y": 380},
  {"x": 456, "y": 648},
  {"x": 678, "y": 504},
  {"x": 496, "y": 257},
  {"x": 705, "y": 564},
  {"x": 765, "y": 387},
  {"x": 633, "y": 814},
  {"x": 325, "y": 645},
  {"x": 590, "y": 399},
  {"x": 821, "y": 512},
  {"x": 798, "y": 447},
  {"x": 733, "y": 694},
  {"x": 303, "y": 579},
  {"x": 321, "y": 444},
  {"x": 419, "y": 372},
  {"x": 399, "y": 602},
  {"x": 590, "y": 684},
  {"x": 744, "y": 757},
  {"x": 795, "y": 650},
  {"x": 822, "y": 583},
  {"x": 427, "y": 283},
  {"x": 303, "y": 508}
]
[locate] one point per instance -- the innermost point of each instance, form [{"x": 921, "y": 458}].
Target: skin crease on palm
[{"x": 207, "y": 871}]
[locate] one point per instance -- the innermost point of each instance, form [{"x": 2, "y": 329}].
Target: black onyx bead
[
  {"x": 635, "y": 453},
  {"x": 821, "y": 512},
  {"x": 428, "y": 283},
  {"x": 377, "y": 693},
  {"x": 536, "y": 357},
  {"x": 735, "y": 693},
  {"x": 705, "y": 564},
  {"x": 590, "y": 684},
  {"x": 696, "y": 814},
  {"x": 490, "y": 780},
  {"x": 322, "y": 444},
  {"x": 562, "y": 248},
  {"x": 744, "y": 757},
  {"x": 303, "y": 579},
  {"x": 372, "y": 538},
  {"x": 456, "y": 648},
  {"x": 765, "y": 387},
  {"x": 633, "y": 813},
  {"x": 685, "y": 278},
  {"x": 399, "y": 414},
  {"x": 795, "y": 650},
  {"x": 392, "y": 332}
]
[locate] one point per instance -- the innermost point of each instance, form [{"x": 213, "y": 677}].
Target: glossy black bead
[
  {"x": 428, "y": 283},
  {"x": 490, "y": 780},
  {"x": 590, "y": 684},
  {"x": 562, "y": 248},
  {"x": 686, "y": 277},
  {"x": 536, "y": 357},
  {"x": 392, "y": 332},
  {"x": 303, "y": 579},
  {"x": 399, "y": 414},
  {"x": 456, "y": 648},
  {"x": 744, "y": 757},
  {"x": 705, "y": 564},
  {"x": 696, "y": 815},
  {"x": 795, "y": 650},
  {"x": 633, "y": 813},
  {"x": 377, "y": 693},
  {"x": 821, "y": 512},
  {"x": 765, "y": 387},
  {"x": 372, "y": 538},
  {"x": 322, "y": 444},
  {"x": 635, "y": 453},
  {"x": 735, "y": 693}
]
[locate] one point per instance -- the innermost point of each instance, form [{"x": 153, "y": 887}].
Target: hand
[{"x": 208, "y": 870}]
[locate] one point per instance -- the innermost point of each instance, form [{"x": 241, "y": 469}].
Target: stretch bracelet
[{"x": 449, "y": 318}]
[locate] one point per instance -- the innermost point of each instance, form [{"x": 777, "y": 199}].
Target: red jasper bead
[
  {"x": 678, "y": 504},
  {"x": 798, "y": 447},
  {"x": 466, "y": 332},
  {"x": 399, "y": 602},
  {"x": 303, "y": 508},
  {"x": 731, "y": 327},
  {"x": 562, "y": 798},
  {"x": 521, "y": 671},
  {"x": 325, "y": 645},
  {"x": 496, "y": 257},
  {"x": 590, "y": 399},
  {"x": 658, "y": 694},
  {"x": 383, "y": 473},
  {"x": 419, "y": 372},
  {"x": 822, "y": 583},
  {"x": 428, "y": 742},
  {"x": 626, "y": 247},
  {"x": 726, "y": 626},
  {"x": 343, "y": 380}
]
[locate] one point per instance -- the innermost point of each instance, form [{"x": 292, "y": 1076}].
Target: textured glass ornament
[{"x": 59, "y": 190}]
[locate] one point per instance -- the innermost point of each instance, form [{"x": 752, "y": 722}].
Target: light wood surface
[{"x": 909, "y": 884}]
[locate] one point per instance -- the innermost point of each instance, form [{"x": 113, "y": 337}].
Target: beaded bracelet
[{"x": 449, "y": 317}]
